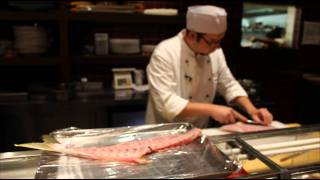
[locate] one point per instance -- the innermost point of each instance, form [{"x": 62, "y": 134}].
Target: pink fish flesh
[
  {"x": 132, "y": 151},
  {"x": 242, "y": 127}
]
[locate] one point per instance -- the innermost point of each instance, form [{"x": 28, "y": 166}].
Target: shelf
[
  {"x": 125, "y": 18},
  {"x": 111, "y": 60},
  {"x": 34, "y": 61},
  {"x": 28, "y": 16},
  {"x": 61, "y": 23}
]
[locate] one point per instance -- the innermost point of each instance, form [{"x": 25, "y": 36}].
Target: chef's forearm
[
  {"x": 196, "y": 109},
  {"x": 244, "y": 103}
]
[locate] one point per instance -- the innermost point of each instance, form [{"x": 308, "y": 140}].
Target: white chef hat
[{"x": 207, "y": 19}]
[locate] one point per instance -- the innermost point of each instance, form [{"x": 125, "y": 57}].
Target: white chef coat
[{"x": 174, "y": 76}]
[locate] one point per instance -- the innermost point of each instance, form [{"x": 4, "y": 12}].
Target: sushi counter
[{"x": 287, "y": 152}]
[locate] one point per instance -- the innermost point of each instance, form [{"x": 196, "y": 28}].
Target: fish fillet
[
  {"x": 130, "y": 152},
  {"x": 241, "y": 127}
]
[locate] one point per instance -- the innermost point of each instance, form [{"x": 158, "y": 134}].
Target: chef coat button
[{"x": 188, "y": 77}]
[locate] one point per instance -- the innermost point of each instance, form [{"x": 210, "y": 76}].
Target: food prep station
[
  {"x": 282, "y": 153},
  {"x": 57, "y": 53}
]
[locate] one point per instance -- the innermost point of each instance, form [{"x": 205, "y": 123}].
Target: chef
[{"x": 186, "y": 71}]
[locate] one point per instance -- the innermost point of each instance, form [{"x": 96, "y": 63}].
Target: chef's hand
[
  {"x": 225, "y": 115},
  {"x": 262, "y": 116}
]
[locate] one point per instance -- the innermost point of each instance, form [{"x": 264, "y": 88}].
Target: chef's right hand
[{"x": 226, "y": 115}]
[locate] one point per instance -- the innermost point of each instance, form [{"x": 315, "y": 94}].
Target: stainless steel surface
[
  {"x": 314, "y": 174},
  {"x": 19, "y": 165},
  {"x": 24, "y": 164},
  {"x": 293, "y": 163}
]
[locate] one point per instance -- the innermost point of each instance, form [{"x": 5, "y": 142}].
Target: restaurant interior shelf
[
  {"x": 70, "y": 40},
  {"x": 26, "y": 61},
  {"x": 110, "y": 59}
]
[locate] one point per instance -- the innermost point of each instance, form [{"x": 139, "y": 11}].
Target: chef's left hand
[{"x": 262, "y": 116}]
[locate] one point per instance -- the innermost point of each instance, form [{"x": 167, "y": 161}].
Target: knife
[{"x": 250, "y": 121}]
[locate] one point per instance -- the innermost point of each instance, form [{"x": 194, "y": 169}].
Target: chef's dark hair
[{"x": 198, "y": 35}]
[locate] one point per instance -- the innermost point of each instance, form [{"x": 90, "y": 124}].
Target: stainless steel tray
[
  {"x": 197, "y": 159},
  {"x": 20, "y": 164}
]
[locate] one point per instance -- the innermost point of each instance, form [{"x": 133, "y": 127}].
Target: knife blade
[{"x": 250, "y": 121}]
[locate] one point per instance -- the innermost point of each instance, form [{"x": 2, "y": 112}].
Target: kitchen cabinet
[{"x": 68, "y": 33}]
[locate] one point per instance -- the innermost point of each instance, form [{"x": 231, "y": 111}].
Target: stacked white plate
[
  {"x": 161, "y": 11},
  {"x": 30, "y": 39}
]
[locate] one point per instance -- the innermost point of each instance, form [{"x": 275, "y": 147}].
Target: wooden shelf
[
  {"x": 67, "y": 42},
  {"x": 28, "y": 16},
  {"x": 125, "y": 18},
  {"x": 34, "y": 61},
  {"x": 111, "y": 60}
]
